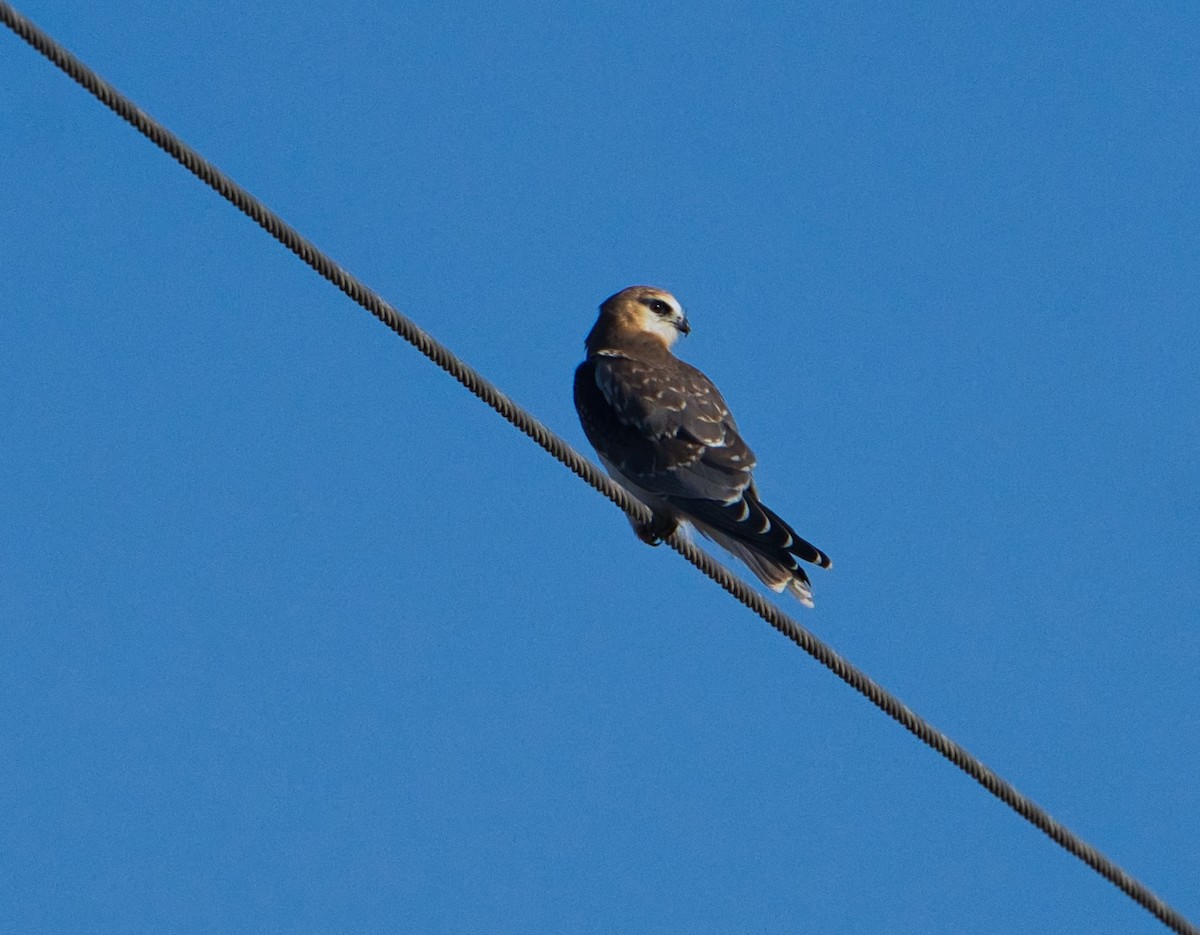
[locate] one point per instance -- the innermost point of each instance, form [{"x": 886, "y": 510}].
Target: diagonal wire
[{"x": 490, "y": 394}]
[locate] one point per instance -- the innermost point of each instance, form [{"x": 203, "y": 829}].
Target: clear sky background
[{"x": 298, "y": 636}]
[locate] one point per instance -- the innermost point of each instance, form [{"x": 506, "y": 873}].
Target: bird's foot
[{"x": 655, "y": 531}]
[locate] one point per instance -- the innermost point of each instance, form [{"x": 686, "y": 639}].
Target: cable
[{"x": 490, "y": 394}]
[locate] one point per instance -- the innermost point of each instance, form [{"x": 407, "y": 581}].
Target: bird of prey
[{"x": 664, "y": 433}]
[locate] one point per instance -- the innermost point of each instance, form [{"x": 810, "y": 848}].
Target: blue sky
[{"x": 300, "y": 637}]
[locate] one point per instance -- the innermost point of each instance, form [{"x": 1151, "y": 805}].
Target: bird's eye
[{"x": 659, "y": 307}]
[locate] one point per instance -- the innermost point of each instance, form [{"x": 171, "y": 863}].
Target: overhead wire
[{"x": 485, "y": 390}]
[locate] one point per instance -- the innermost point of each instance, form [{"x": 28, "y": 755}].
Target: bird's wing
[{"x": 664, "y": 426}]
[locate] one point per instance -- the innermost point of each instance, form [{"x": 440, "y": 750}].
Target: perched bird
[{"x": 664, "y": 433}]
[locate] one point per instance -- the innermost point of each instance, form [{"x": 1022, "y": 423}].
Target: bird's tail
[{"x": 769, "y": 546}]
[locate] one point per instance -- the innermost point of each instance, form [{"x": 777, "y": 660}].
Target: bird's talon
[
  {"x": 654, "y": 532},
  {"x": 646, "y": 534}
]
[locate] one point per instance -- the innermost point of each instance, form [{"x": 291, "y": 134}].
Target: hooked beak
[{"x": 683, "y": 326}]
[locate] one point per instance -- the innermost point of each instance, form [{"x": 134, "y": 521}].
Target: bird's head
[{"x": 646, "y": 310}]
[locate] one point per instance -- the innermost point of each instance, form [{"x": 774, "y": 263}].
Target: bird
[{"x": 663, "y": 431}]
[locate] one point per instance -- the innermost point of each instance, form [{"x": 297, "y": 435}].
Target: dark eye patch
[{"x": 659, "y": 307}]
